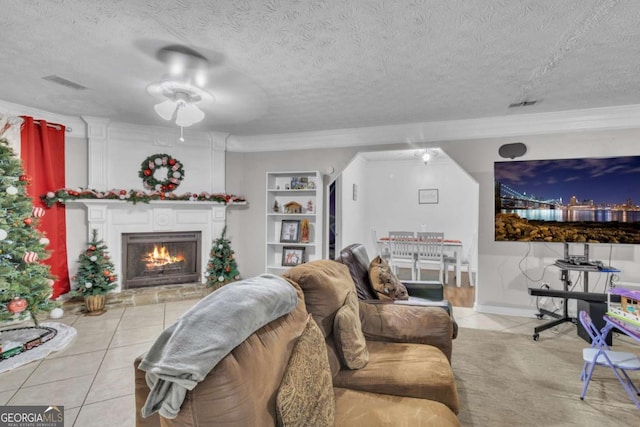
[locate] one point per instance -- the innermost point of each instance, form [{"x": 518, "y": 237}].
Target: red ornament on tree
[
  {"x": 92, "y": 248},
  {"x": 227, "y": 269},
  {"x": 172, "y": 162},
  {"x": 27, "y": 221},
  {"x": 17, "y": 305},
  {"x": 23, "y": 178},
  {"x": 147, "y": 172},
  {"x": 106, "y": 273},
  {"x": 123, "y": 192}
]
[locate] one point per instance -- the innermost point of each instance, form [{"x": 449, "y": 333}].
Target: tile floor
[{"x": 93, "y": 377}]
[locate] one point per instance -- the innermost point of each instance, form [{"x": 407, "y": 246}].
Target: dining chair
[
  {"x": 599, "y": 354},
  {"x": 468, "y": 262},
  {"x": 430, "y": 252},
  {"x": 402, "y": 251}
]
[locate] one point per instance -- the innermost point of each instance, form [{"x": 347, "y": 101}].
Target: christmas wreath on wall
[{"x": 161, "y": 172}]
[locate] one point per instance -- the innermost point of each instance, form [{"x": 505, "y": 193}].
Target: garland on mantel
[{"x": 134, "y": 196}]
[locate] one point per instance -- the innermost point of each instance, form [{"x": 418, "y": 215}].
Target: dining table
[{"x": 451, "y": 249}]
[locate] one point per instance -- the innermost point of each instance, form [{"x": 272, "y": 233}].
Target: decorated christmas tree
[
  {"x": 96, "y": 272},
  {"x": 25, "y": 283},
  {"x": 222, "y": 267}
]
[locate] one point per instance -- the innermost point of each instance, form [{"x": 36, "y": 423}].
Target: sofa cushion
[
  {"x": 325, "y": 284},
  {"x": 373, "y": 409},
  {"x": 411, "y": 370},
  {"x": 306, "y": 396},
  {"x": 357, "y": 261},
  {"x": 348, "y": 336},
  {"x": 384, "y": 283}
]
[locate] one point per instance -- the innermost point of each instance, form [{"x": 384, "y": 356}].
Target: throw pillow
[
  {"x": 385, "y": 284},
  {"x": 348, "y": 336},
  {"x": 305, "y": 397}
]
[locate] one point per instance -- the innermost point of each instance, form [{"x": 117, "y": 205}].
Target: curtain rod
[{"x": 56, "y": 127}]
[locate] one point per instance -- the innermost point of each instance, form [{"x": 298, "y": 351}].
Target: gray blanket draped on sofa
[{"x": 181, "y": 356}]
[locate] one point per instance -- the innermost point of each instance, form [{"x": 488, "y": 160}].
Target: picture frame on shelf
[
  {"x": 290, "y": 231},
  {"x": 292, "y": 255}
]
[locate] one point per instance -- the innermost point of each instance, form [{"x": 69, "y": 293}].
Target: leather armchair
[{"x": 421, "y": 293}]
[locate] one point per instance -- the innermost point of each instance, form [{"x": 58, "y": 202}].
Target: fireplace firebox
[{"x": 163, "y": 258}]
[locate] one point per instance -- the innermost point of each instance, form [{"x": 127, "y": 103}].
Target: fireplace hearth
[{"x": 160, "y": 258}]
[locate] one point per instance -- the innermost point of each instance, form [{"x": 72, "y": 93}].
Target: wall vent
[
  {"x": 523, "y": 104},
  {"x": 64, "y": 82}
]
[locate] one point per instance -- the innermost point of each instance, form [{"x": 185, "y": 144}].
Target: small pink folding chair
[{"x": 600, "y": 354}]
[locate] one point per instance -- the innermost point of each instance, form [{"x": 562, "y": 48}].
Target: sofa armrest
[
  {"x": 407, "y": 323},
  {"x": 431, "y": 289},
  {"x": 141, "y": 391}
]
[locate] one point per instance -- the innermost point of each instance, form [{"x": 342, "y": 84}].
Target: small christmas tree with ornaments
[
  {"x": 222, "y": 267},
  {"x": 96, "y": 272},
  {"x": 25, "y": 283}
]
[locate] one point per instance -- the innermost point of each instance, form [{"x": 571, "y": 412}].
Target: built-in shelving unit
[{"x": 306, "y": 190}]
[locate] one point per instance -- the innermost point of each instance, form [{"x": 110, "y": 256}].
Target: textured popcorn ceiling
[{"x": 306, "y": 65}]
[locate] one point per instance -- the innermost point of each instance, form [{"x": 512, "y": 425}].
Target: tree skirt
[{"x": 63, "y": 336}]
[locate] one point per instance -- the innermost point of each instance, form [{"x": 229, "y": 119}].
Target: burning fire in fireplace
[{"x": 161, "y": 259}]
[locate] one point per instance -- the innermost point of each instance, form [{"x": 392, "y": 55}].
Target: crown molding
[{"x": 608, "y": 118}]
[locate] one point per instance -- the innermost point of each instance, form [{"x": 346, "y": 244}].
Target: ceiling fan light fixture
[
  {"x": 188, "y": 114},
  {"x": 165, "y": 109},
  {"x": 180, "y": 103}
]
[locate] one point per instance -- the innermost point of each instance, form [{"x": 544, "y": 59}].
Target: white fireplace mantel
[{"x": 112, "y": 218}]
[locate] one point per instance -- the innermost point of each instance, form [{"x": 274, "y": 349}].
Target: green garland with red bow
[{"x": 161, "y": 172}]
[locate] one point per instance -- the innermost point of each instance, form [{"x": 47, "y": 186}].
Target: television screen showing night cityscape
[{"x": 590, "y": 200}]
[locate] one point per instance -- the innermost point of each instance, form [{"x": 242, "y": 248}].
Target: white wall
[
  {"x": 354, "y": 212},
  {"x": 391, "y": 193}
]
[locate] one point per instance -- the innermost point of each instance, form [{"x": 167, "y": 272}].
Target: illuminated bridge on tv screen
[{"x": 512, "y": 199}]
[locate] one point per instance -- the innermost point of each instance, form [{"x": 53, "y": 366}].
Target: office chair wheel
[{"x": 536, "y": 337}]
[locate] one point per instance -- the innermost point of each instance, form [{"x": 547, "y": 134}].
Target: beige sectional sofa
[{"x": 313, "y": 366}]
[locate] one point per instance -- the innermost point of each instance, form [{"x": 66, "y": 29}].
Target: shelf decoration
[
  {"x": 63, "y": 195},
  {"x": 161, "y": 172}
]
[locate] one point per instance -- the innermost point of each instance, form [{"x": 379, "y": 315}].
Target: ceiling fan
[
  {"x": 199, "y": 83},
  {"x": 182, "y": 89}
]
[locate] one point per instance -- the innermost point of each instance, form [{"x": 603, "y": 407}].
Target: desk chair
[
  {"x": 402, "y": 251},
  {"x": 600, "y": 354},
  {"x": 431, "y": 252}
]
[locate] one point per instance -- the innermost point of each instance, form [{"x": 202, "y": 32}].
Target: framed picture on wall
[
  {"x": 290, "y": 231},
  {"x": 292, "y": 255},
  {"x": 428, "y": 196}
]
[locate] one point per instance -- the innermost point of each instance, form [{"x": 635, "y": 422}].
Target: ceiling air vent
[
  {"x": 64, "y": 82},
  {"x": 523, "y": 104}
]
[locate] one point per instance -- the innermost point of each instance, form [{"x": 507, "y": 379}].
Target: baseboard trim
[{"x": 506, "y": 311}]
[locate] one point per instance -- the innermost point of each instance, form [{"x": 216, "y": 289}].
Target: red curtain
[{"x": 42, "y": 153}]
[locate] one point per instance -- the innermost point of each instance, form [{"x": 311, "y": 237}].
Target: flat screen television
[{"x": 588, "y": 200}]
